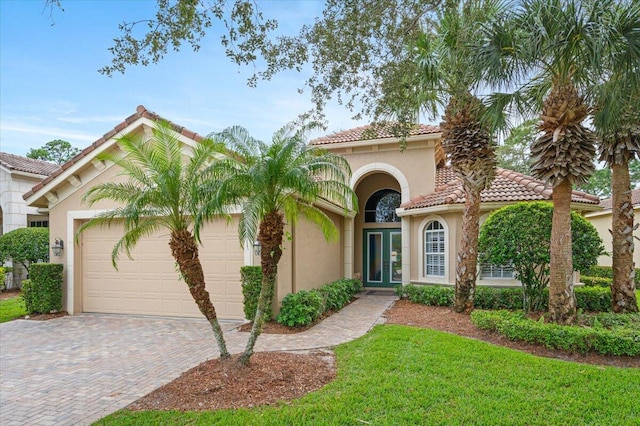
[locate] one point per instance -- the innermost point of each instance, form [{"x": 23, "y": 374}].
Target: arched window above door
[{"x": 381, "y": 207}]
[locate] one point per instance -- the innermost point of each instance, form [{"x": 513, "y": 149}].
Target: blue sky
[{"x": 50, "y": 87}]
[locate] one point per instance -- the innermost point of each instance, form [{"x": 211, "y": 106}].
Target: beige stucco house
[
  {"x": 407, "y": 228},
  {"x": 602, "y": 222}
]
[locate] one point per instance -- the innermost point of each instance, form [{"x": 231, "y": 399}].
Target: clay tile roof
[
  {"x": 381, "y": 131},
  {"x": 508, "y": 186},
  {"x": 607, "y": 204},
  {"x": 28, "y": 165},
  {"x": 141, "y": 112}
]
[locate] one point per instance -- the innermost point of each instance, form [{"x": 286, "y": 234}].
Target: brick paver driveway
[{"x": 77, "y": 369}]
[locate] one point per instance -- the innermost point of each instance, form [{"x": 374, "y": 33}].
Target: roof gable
[
  {"x": 86, "y": 158},
  {"x": 18, "y": 163},
  {"x": 508, "y": 186},
  {"x": 92, "y": 150}
]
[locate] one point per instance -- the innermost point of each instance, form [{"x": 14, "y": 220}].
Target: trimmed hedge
[
  {"x": 43, "y": 291},
  {"x": 305, "y": 307},
  {"x": 596, "y": 281},
  {"x": 430, "y": 295},
  {"x": 514, "y": 326},
  {"x": 587, "y": 298},
  {"x": 606, "y": 272},
  {"x": 251, "y": 278}
]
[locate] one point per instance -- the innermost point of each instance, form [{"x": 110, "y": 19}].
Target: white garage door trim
[{"x": 74, "y": 215}]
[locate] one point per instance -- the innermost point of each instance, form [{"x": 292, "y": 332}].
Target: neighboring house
[
  {"x": 17, "y": 176},
  {"x": 602, "y": 221},
  {"x": 407, "y": 228}
]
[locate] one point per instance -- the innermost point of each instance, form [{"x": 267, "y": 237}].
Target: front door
[{"x": 382, "y": 257}]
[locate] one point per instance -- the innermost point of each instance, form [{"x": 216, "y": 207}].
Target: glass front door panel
[
  {"x": 374, "y": 257},
  {"x": 395, "y": 254},
  {"x": 382, "y": 257}
]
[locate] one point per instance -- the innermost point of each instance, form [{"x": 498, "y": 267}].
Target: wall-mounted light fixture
[
  {"x": 57, "y": 247},
  {"x": 257, "y": 248}
]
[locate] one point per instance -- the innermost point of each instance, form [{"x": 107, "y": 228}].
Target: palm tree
[
  {"x": 163, "y": 190},
  {"x": 449, "y": 79},
  {"x": 550, "y": 50},
  {"x": 273, "y": 183},
  {"x": 617, "y": 122}
]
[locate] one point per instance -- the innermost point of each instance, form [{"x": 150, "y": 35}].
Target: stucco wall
[
  {"x": 416, "y": 162},
  {"x": 14, "y": 209},
  {"x": 602, "y": 222},
  {"x": 317, "y": 261}
]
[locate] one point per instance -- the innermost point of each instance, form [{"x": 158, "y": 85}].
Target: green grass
[
  {"x": 403, "y": 375},
  {"x": 12, "y": 308}
]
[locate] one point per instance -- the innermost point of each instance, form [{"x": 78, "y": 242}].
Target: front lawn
[
  {"x": 405, "y": 375},
  {"x": 12, "y": 308}
]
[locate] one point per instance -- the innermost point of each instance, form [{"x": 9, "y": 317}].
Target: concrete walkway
[{"x": 77, "y": 369}]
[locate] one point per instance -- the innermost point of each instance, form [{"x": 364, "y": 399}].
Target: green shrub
[
  {"x": 25, "y": 246},
  {"x": 593, "y": 299},
  {"x": 43, "y": 291},
  {"x": 339, "y": 293},
  {"x": 596, "y": 299},
  {"x": 2, "y": 278},
  {"x": 606, "y": 272},
  {"x": 354, "y": 284},
  {"x": 612, "y": 320},
  {"x": 520, "y": 235},
  {"x": 301, "y": 308},
  {"x": 595, "y": 281},
  {"x": 28, "y": 296},
  {"x": 304, "y": 307},
  {"x": 427, "y": 294},
  {"x": 598, "y": 271},
  {"x": 251, "y": 278},
  {"x": 514, "y": 326},
  {"x": 498, "y": 298}
]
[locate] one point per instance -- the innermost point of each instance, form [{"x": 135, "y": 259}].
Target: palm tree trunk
[
  {"x": 185, "y": 251},
  {"x": 623, "y": 296},
  {"x": 467, "y": 261},
  {"x": 270, "y": 237},
  {"x": 562, "y": 302}
]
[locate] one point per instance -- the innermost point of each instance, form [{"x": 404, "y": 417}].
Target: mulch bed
[
  {"x": 45, "y": 317},
  {"x": 273, "y": 377}
]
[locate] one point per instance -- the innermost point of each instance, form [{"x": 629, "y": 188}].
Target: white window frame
[
  {"x": 497, "y": 272},
  {"x": 422, "y": 276}
]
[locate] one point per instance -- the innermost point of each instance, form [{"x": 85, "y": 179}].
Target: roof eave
[
  {"x": 379, "y": 141},
  {"x": 38, "y": 198},
  {"x": 459, "y": 207}
]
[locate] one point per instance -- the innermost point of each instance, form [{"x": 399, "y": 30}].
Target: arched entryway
[{"x": 378, "y": 231}]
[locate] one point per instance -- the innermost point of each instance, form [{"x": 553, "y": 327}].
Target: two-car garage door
[{"x": 149, "y": 284}]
